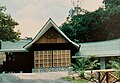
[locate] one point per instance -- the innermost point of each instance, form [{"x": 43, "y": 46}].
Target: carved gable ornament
[{"x": 52, "y": 36}]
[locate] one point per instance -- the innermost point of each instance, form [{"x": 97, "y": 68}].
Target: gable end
[{"x": 51, "y": 36}]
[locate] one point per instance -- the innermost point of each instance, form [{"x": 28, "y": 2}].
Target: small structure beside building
[
  {"x": 104, "y": 50},
  {"x": 50, "y": 50}
]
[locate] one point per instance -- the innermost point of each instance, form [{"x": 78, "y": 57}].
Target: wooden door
[
  {"x": 42, "y": 59},
  {"x": 61, "y": 58},
  {"x": 55, "y": 58}
]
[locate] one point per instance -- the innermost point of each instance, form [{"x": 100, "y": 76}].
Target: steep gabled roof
[{"x": 46, "y": 27}]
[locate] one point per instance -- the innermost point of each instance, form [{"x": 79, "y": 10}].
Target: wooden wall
[
  {"x": 20, "y": 62},
  {"x": 52, "y": 36}
]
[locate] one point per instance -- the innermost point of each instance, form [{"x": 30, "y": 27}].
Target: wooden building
[
  {"x": 103, "y": 50},
  {"x": 50, "y": 50}
]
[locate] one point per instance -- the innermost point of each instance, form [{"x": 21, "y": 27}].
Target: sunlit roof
[
  {"x": 101, "y": 49},
  {"x": 8, "y": 46}
]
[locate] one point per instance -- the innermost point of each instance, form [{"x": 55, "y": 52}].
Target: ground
[{"x": 49, "y": 77}]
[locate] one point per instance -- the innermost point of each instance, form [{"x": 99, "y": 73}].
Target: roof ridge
[{"x": 44, "y": 29}]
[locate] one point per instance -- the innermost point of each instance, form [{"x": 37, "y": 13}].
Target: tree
[
  {"x": 111, "y": 3},
  {"x": 7, "y": 25},
  {"x": 82, "y": 26},
  {"x": 99, "y": 25}
]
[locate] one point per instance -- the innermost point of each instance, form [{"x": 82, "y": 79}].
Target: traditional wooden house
[{"x": 50, "y": 50}]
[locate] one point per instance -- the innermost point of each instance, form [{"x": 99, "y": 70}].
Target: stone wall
[{"x": 50, "y": 69}]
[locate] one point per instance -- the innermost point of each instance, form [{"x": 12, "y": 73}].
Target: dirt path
[{"x": 50, "y": 77}]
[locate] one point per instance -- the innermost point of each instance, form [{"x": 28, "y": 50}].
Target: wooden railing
[{"x": 107, "y": 76}]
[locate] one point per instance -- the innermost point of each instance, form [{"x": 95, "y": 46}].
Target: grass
[{"x": 75, "y": 80}]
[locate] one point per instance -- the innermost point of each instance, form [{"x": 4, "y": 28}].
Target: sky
[{"x": 33, "y": 14}]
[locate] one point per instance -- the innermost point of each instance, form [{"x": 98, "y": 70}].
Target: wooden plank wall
[{"x": 52, "y": 36}]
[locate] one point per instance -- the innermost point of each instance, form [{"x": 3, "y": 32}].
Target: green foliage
[
  {"x": 111, "y": 3},
  {"x": 7, "y": 25},
  {"x": 80, "y": 66},
  {"x": 102, "y": 24},
  {"x": 85, "y": 63},
  {"x": 79, "y": 28},
  {"x": 114, "y": 63},
  {"x": 74, "y": 80}
]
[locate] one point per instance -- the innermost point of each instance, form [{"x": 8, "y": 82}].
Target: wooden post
[
  {"x": 102, "y": 62},
  {"x": 107, "y": 77},
  {"x": 98, "y": 77}
]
